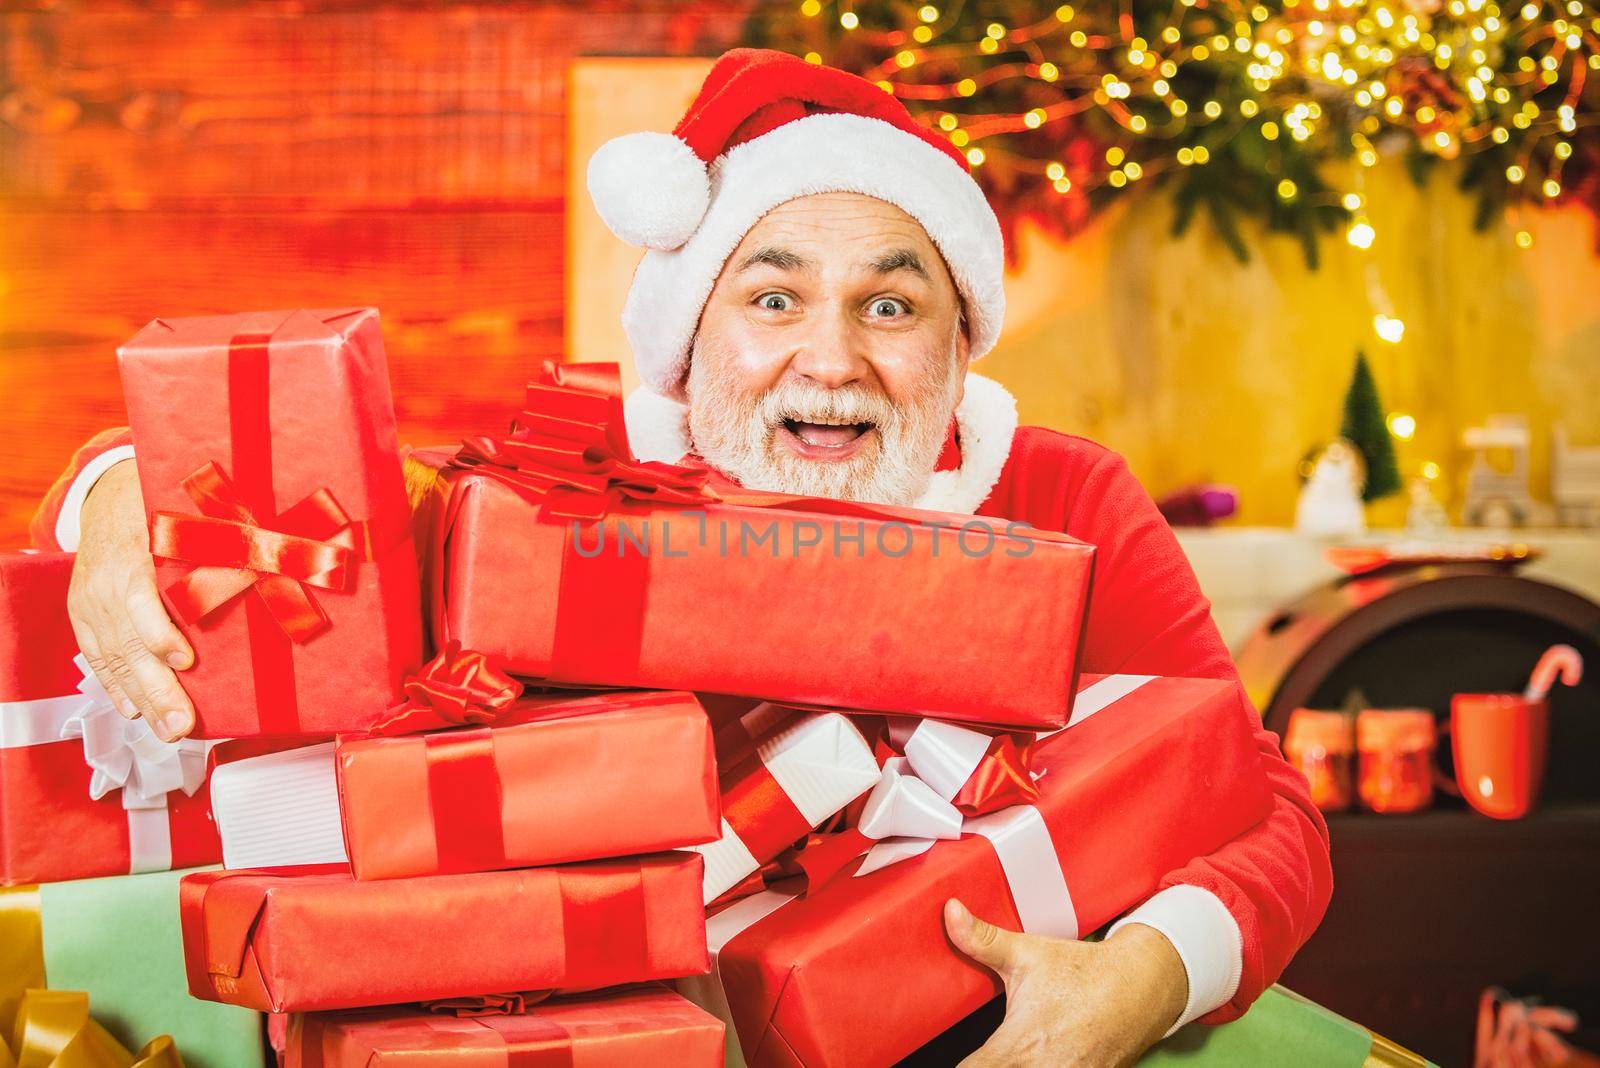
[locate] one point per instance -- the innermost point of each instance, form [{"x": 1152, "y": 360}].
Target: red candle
[
  {"x": 1396, "y": 747},
  {"x": 1322, "y": 746}
]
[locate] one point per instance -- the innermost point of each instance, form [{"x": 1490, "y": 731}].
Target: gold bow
[{"x": 53, "y": 1029}]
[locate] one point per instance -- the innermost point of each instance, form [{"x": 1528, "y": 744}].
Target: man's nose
[{"x": 833, "y": 353}]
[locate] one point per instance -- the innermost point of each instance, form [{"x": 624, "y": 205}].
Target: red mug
[{"x": 1500, "y": 741}]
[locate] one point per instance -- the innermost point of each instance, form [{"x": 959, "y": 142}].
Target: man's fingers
[
  {"x": 89, "y": 646},
  {"x": 156, "y": 630},
  {"x": 162, "y": 701},
  {"x": 985, "y": 943}
]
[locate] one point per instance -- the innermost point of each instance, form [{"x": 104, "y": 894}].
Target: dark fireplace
[{"x": 1430, "y": 908}]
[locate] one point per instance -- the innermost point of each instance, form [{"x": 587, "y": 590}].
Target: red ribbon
[
  {"x": 250, "y": 437},
  {"x": 457, "y": 688},
  {"x": 232, "y": 551},
  {"x": 507, "y": 1022},
  {"x": 608, "y": 917},
  {"x": 807, "y": 867},
  {"x": 569, "y": 449},
  {"x": 464, "y": 793},
  {"x": 240, "y": 542},
  {"x": 486, "y": 1004},
  {"x": 460, "y": 688},
  {"x": 569, "y": 452},
  {"x": 763, "y": 816},
  {"x": 553, "y": 1042}
]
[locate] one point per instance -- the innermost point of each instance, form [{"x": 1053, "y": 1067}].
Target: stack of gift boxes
[{"x": 528, "y": 817}]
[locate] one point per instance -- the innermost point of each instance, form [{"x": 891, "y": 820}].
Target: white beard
[{"x": 736, "y": 432}]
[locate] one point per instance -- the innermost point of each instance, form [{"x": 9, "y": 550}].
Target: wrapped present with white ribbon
[
  {"x": 798, "y": 769},
  {"x": 83, "y": 791},
  {"x": 856, "y": 969}
]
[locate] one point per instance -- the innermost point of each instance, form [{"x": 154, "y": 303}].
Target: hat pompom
[{"x": 650, "y": 188}]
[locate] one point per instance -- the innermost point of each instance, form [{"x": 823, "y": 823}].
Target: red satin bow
[
  {"x": 1003, "y": 778},
  {"x": 232, "y": 550},
  {"x": 457, "y": 688},
  {"x": 569, "y": 447}
]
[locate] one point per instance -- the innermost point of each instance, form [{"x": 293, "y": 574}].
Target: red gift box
[
  {"x": 604, "y": 776},
  {"x": 613, "y": 1029},
  {"x": 551, "y": 781},
  {"x": 270, "y": 466},
  {"x": 312, "y": 939},
  {"x": 860, "y": 972},
  {"x": 51, "y": 829},
  {"x": 559, "y": 555}
]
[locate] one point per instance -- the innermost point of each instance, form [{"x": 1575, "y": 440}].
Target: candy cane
[{"x": 1558, "y": 659}]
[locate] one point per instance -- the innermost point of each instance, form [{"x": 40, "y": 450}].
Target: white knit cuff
[
  {"x": 68, "y": 522},
  {"x": 1207, "y": 939}
]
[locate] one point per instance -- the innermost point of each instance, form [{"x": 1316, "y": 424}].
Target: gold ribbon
[
  {"x": 1386, "y": 1054},
  {"x": 21, "y": 951},
  {"x": 53, "y": 1029}
]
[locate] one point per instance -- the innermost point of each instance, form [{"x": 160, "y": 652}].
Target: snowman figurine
[{"x": 1330, "y": 501}]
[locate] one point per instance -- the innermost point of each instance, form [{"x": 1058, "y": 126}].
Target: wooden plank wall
[{"x": 192, "y": 158}]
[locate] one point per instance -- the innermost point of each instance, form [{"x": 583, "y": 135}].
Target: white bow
[
  {"x": 904, "y": 806},
  {"x": 127, "y": 755},
  {"x": 911, "y": 807}
]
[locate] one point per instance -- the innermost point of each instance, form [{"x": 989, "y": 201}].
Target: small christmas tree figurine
[{"x": 1365, "y": 427}]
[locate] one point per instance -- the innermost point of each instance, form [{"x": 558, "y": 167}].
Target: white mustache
[{"x": 833, "y": 406}]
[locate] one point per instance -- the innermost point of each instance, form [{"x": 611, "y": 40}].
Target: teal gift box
[
  {"x": 1279, "y": 1025},
  {"x": 118, "y": 940}
]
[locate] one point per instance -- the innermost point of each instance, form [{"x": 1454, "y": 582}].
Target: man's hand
[
  {"x": 1070, "y": 1002},
  {"x": 122, "y": 627}
]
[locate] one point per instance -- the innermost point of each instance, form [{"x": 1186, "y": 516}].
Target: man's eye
[
  {"x": 774, "y": 302},
  {"x": 888, "y": 308}
]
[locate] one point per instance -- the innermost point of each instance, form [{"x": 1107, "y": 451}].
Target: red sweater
[{"x": 1147, "y": 616}]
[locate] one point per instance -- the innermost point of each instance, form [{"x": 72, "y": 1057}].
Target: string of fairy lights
[
  {"x": 1237, "y": 103},
  {"x": 1240, "y": 107}
]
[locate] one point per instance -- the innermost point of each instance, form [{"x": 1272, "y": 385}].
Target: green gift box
[
  {"x": 118, "y": 940},
  {"x": 1281, "y": 1022}
]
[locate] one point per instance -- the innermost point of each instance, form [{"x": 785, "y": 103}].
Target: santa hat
[{"x": 768, "y": 127}]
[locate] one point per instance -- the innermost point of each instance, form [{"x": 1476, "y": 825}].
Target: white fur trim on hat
[
  {"x": 649, "y": 188},
  {"x": 986, "y": 421},
  {"x": 825, "y": 153}
]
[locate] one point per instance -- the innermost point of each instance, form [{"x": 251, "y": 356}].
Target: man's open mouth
[{"x": 826, "y": 435}]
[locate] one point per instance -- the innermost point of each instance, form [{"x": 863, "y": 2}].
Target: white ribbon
[
  {"x": 36, "y": 722},
  {"x": 1033, "y": 870},
  {"x": 1101, "y": 693},
  {"x": 127, "y": 755}
]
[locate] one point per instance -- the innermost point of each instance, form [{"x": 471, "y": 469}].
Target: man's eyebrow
[
  {"x": 900, "y": 259},
  {"x": 774, "y": 256}
]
